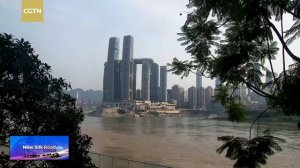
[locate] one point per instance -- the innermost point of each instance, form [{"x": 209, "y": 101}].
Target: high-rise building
[
  {"x": 146, "y": 80},
  {"x": 169, "y": 95},
  {"x": 218, "y": 83},
  {"x": 209, "y": 92},
  {"x": 154, "y": 82},
  {"x": 198, "y": 79},
  {"x": 201, "y": 98},
  {"x": 243, "y": 93},
  {"x": 117, "y": 87},
  {"x": 127, "y": 68},
  {"x": 186, "y": 97},
  {"x": 181, "y": 97},
  {"x": 119, "y": 79},
  {"x": 109, "y": 69},
  {"x": 138, "y": 94},
  {"x": 178, "y": 95},
  {"x": 163, "y": 83},
  {"x": 192, "y": 98},
  {"x": 216, "y": 107}
]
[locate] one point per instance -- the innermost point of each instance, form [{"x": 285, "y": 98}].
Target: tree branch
[
  {"x": 258, "y": 118},
  {"x": 288, "y": 11},
  {"x": 262, "y": 93},
  {"x": 297, "y": 59},
  {"x": 257, "y": 128},
  {"x": 222, "y": 24},
  {"x": 269, "y": 58},
  {"x": 233, "y": 91},
  {"x": 199, "y": 74},
  {"x": 213, "y": 56},
  {"x": 257, "y": 91},
  {"x": 283, "y": 55}
]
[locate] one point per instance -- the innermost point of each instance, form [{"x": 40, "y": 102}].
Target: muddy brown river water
[{"x": 188, "y": 142}]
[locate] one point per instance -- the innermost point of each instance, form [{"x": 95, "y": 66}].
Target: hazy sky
[{"x": 73, "y": 38}]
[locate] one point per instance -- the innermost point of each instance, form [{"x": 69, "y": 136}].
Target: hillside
[{"x": 93, "y": 95}]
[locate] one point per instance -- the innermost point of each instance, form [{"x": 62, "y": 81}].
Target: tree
[
  {"x": 233, "y": 40},
  {"x": 32, "y": 102}
]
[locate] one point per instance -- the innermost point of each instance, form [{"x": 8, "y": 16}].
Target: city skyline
[{"x": 74, "y": 35}]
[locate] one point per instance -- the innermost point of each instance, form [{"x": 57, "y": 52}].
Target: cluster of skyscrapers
[
  {"x": 119, "y": 80},
  {"x": 195, "y": 98}
]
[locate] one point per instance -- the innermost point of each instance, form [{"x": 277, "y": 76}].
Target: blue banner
[{"x": 39, "y": 147}]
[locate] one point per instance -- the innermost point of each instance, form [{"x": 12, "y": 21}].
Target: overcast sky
[{"x": 73, "y": 39}]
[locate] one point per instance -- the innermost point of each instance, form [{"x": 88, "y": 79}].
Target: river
[{"x": 188, "y": 142}]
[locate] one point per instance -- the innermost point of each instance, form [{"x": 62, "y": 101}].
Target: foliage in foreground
[
  {"x": 234, "y": 41},
  {"x": 32, "y": 102},
  {"x": 249, "y": 153}
]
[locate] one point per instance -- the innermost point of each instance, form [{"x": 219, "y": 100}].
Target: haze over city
[{"x": 74, "y": 36}]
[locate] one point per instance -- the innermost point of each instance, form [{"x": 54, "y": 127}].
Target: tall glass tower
[
  {"x": 163, "y": 83},
  {"x": 127, "y": 68},
  {"x": 109, "y": 78}
]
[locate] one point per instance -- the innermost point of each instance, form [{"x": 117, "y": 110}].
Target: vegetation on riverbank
[{"x": 32, "y": 102}]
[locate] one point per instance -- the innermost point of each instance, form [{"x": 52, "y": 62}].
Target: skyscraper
[
  {"x": 218, "y": 83},
  {"x": 198, "y": 80},
  {"x": 109, "y": 78},
  {"x": 154, "y": 82},
  {"x": 192, "y": 98},
  {"x": 178, "y": 95},
  {"x": 119, "y": 79},
  {"x": 169, "y": 95},
  {"x": 146, "y": 80},
  {"x": 138, "y": 94},
  {"x": 127, "y": 67},
  {"x": 163, "y": 83},
  {"x": 209, "y": 92},
  {"x": 199, "y": 96}
]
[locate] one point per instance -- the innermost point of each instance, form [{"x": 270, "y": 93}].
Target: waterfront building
[
  {"x": 218, "y": 83},
  {"x": 163, "y": 83},
  {"x": 127, "y": 69},
  {"x": 198, "y": 79},
  {"x": 169, "y": 95},
  {"x": 119, "y": 79},
  {"x": 178, "y": 95},
  {"x": 138, "y": 94},
  {"x": 146, "y": 80},
  {"x": 209, "y": 92},
  {"x": 109, "y": 69},
  {"x": 154, "y": 76},
  {"x": 201, "y": 98},
  {"x": 192, "y": 104},
  {"x": 216, "y": 107}
]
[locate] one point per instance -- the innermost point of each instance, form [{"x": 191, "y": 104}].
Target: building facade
[
  {"x": 163, "y": 83},
  {"x": 178, "y": 96},
  {"x": 109, "y": 69},
  {"x": 192, "y": 98},
  {"x": 154, "y": 77}
]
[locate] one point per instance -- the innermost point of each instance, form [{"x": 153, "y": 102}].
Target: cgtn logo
[{"x": 32, "y": 10}]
